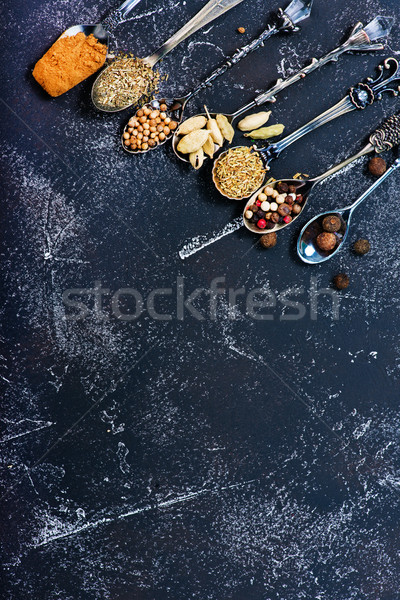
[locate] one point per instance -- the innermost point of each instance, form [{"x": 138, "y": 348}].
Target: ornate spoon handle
[
  {"x": 359, "y": 97},
  {"x": 384, "y": 138},
  {"x": 359, "y": 40},
  {"x": 119, "y": 15},
  {"x": 376, "y": 184},
  {"x": 282, "y": 22}
]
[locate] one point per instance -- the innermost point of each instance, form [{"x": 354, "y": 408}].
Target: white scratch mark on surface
[
  {"x": 13, "y": 436},
  {"x": 64, "y": 530},
  {"x": 201, "y": 241}
]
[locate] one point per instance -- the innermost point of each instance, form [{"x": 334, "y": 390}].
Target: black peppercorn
[
  {"x": 260, "y": 214},
  {"x": 284, "y": 209},
  {"x": 268, "y": 240},
  {"x": 341, "y": 281},
  {"x": 292, "y": 189},
  {"x": 361, "y": 247},
  {"x": 254, "y": 208},
  {"x": 282, "y": 187},
  {"x": 269, "y": 225}
]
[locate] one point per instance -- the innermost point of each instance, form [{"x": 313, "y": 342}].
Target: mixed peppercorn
[{"x": 277, "y": 204}]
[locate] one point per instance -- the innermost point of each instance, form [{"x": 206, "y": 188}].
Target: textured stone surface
[{"x": 216, "y": 459}]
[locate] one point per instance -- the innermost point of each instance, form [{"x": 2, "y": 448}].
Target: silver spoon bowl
[
  {"x": 361, "y": 39},
  {"x": 383, "y": 138},
  {"x": 307, "y": 247},
  {"x": 211, "y": 11},
  {"x": 153, "y": 105},
  {"x": 102, "y": 30}
]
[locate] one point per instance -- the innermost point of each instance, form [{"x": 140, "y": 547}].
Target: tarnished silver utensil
[
  {"x": 307, "y": 248},
  {"x": 361, "y": 39},
  {"x": 359, "y": 97},
  {"x": 211, "y": 11},
  {"x": 384, "y": 138},
  {"x": 102, "y": 30},
  {"x": 284, "y": 21}
]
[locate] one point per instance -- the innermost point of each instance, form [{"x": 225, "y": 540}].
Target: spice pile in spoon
[{"x": 124, "y": 82}]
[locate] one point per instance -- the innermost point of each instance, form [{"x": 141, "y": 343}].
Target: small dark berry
[
  {"x": 268, "y": 240},
  {"x": 331, "y": 223},
  {"x": 341, "y": 281},
  {"x": 361, "y": 247},
  {"x": 283, "y": 188},
  {"x": 284, "y": 209},
  {"x": 377, "y": 166},
  {"x": 269, "y": 225},
  {"x": 326, "y": 241}
]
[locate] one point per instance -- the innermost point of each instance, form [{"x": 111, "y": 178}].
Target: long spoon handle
[
  {"x": 359, "y": 97},
  {"x": 359, "y": 40},
  {"x": 212, "y": 10},
  {"x": 284, "y": 21},
  {"x": 119, "y": 15},
  {"x": 384, "y": 138},
  {"x": 376, "y": 184}
]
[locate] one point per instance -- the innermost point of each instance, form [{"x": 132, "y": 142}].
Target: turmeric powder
[{"x": 69, "y": 61}]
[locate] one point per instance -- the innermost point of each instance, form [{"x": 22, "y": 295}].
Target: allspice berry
[
  {"x": 361, "y": 247},
  {"x": 326, "y": 241},
  {"x": 377, "y": 166},
  {"x": 268, "y": 240},
  {"x": 341, "y": 281},
  {"x": 331, "y": 223}
]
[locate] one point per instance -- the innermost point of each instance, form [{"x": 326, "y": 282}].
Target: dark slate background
[{"x": 218, "y": 459}]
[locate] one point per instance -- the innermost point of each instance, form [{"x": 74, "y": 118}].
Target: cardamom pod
[
  {"x": 197, "y": 159},
  {"x": 254, "y": 121},
  {"x": 266, "y": 132},
  {"x": 193, "y": 141},
  {"x": 192, "y": 124},
  {"x": 214, "y": 129},
  {"x": 208, "y": 147},
  {"x": 225, "y": 127}
]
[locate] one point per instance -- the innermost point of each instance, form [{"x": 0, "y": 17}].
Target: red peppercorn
[
  {"x": 299, "y": 198},
  {"x": 261, "y": 224},
  {"x": 258, "y": 202},
  {"x": 287, "y": 219}
]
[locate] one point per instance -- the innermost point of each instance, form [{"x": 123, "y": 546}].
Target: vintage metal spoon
[
  {"x": 284, "y": 21},
  {"x": 307, "y": 248},
  {"x": 361, "y": 39},
  {"x": 359, "y": 97},
  {"x": 212, "y": 10},
  {"x": 385, "y": 137},
  {"x": 102, "y": 30}
]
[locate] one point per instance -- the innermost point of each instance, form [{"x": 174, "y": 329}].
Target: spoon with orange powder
[{"x": 78, "y": 53}]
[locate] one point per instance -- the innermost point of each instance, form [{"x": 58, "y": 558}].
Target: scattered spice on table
[
  {"x": 377, "y": 166},
  {"x": 341, "y": 281},
  {"x": 269, "y": 240},
  {"x": 70, "y": 60},
  {"x": 239, "y": 172},
  {"x": 124, "y": 82},
  {"x": 361, "y": 247}
]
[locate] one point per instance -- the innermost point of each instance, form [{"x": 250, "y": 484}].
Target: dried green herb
[{"x": 125, "y": 82}]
